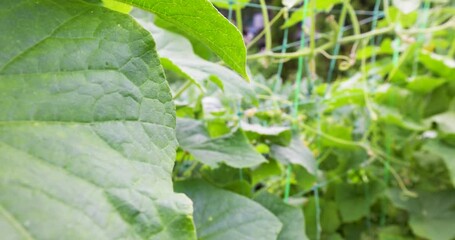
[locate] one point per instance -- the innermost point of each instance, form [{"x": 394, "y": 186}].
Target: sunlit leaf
[
  {"x": 209, "y": 27},
  {"x": 176, "y": 53}
]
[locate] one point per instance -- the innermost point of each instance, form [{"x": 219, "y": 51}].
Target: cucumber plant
[{"x": 87, "y": 120}]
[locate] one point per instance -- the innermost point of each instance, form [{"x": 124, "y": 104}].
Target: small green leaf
[
  {"x": 200, "y": 19},
  {"x": 223, "y": 215},
  {"x": 264, "y": 171},
  {"x": 275, "y": 134},
  {"x": 393, "y": 232},
  {"x": 263, "y": 148},
  {"x": 295, "y": 153},
  {"x": 193, "y": 137},
  {"x": 229, "y": 178},
  {"x": 406, "y": 20}
]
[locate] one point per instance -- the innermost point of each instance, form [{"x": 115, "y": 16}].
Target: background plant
[{"x": 367, "y": 136}]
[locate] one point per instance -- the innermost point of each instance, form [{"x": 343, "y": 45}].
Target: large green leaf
[
  {"x": 223, "y": 215},
  {"x": 176, "y": 53},
  {"x": 87, "y": 122},
  {"x": 233, "y": 149},
  {"x": 291, "y": 217},
  {"x": 199, "y": 18},
  {"x": 432, "y": 214}
]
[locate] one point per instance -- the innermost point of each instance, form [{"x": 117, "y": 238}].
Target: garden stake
[
  {"x": 239, "y": 110},
  {"x": 296, "y": 97},
  {"x": 420, "y": 37},
  {"x": 373, "y": 27},
  {"x": 389, "y": 140}
]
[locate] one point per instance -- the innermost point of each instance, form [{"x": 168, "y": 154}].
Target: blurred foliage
[{"x": 382, "y": 132}]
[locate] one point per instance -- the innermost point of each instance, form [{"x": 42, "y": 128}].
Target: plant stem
[
  {"x": 372, "y": 115},
  {"x": 449, "y": 24},
  {"x": 262, "y": 33},
  {"x": 312, "y": 40},
  {"x": 238, "y": 17},
  {"x": 338, "y": 36},
  {"x": 185, "y": 86},
  {"x": 268, "y": 33},
  {"x": 355, "y": 25},
  {"x": 353, "y": 17},
  {"x": 369, "y": 34},
  {"x": 338, "y": 57},
  {"x": 335, "y": 139},
  {"x": 303, "y": 52},
  {"x": 306, "y": 52},
  {"x": 386, "y": 12},
  {"x": 452, "y": 50}
]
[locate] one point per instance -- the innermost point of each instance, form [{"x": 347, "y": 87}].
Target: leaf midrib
[
  {"x": 50, "y": 122},
  {"x": 15, "y": 223}
]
